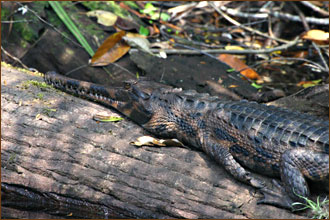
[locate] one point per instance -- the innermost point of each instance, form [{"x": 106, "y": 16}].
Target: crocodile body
[{"x": 269, "y": 140}]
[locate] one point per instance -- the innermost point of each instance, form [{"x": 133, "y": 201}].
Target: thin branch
[
  {"x": 219, "y": 51},
  {"x": 17, "y": 21},
  {"x": 301, "y": 15},
  {"x": 14, "y": 58},
  {"x": 208, "y": 28},
  {"x": 306, "y": 26},
  {"x": 228, "y": 18},
  {"x": 289, "y": 58},
  {"x": 315, "y": 8},
  {"x": 321, "y": 56},
  {"x": 49, "y": 24},
  {"x": 281, "y": 15},
  {"x": 192, "y": 42}
]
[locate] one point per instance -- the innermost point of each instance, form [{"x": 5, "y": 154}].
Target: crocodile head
[{"x": 131, "y": 99}]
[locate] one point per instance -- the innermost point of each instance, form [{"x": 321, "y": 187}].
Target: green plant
[
  {"x": 152, "y": 12},
  {"x": 143, "y": 31},
  {"x": 71, "y": 26},
  {"x": 319, "y": 209}
]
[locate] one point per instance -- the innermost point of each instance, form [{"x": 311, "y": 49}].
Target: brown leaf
[
  {"x": 111, "y": 50},
  {"x": 238, "y": 65}
]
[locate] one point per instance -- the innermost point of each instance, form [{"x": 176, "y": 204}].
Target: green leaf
[
  {"x": 230, "y": 70},
  {"x": 149, "y": 9},
  {"x": 102, "y": 118},
  {"x": 313, "y": 83},
  {"x": 143, "y": 31},
  {"x": 256, "y": 85},
  {"x": 164, "y": 16},
  {"x": 71, "y": 26}
]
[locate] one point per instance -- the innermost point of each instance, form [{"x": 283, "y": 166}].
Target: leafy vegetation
[
  {"x": 71, "y": 26},
  {"x": 320, "y": 210}
]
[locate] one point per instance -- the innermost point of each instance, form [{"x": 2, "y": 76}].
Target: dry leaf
[
  {"x": 307, "y": 84},
  {"x": 130, "y": 34},
  {"x": 151, "y": 141},
  {"x": 317, "y": 36},
  {"x": 238, "y": 65},
  {"x": 229, "y": 47},
  {"x": 111, "y": 50},
  {"x": 162, "y": 45},
  {"x": 237, "y": 30},
  {"x": 147, "y": 141},
  {"x": 105, "y": 18},
  {"x": 138, "y": 42}
]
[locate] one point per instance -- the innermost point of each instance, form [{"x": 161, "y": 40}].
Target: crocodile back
[
  {"x": 257, "y": 135},
  {"x": 261, "y": 134}
]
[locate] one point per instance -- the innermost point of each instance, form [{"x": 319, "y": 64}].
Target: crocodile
[{"x": 238, "y": 135}]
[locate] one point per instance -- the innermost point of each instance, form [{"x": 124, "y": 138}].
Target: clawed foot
[
  {"x": 257, "y": 183},
  {"x": 276, "y": 197},
  {"x": 247, "y": 178}
]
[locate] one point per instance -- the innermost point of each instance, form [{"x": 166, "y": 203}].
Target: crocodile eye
[{"x": 127, "y": 85}]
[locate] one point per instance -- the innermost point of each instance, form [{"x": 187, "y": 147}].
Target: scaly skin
[{"x": 269, "y": 140}]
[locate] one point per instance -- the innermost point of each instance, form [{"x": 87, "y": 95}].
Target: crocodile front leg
[
  {"x": 219, "y": 150},
  {"x": 296, "y": 165}
]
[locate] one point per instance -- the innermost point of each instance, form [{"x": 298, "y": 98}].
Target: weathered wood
[{"x": 68, "y": 164}]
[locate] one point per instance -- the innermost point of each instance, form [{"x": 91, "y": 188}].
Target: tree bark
[{"x": 57, "y": 161}]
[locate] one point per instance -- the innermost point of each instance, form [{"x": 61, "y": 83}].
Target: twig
[
  {"x": 122, "y": 68},
  {"x": 219, "y": 51},
  {"x": 321, "y": 56},
  {"x": 301, "y": 15},
  {"x": 245, "y": 28},
  {"x": 208, "y": 28},
  {"x": 315, "y": 8},
  {"x": 52, "y": 26},
  {"x": 14, "y": 58},
  {"x": 281, "y": 15},
  {"x": 288, "y": 58},
  {"x": 192, "y": 42},
  {"x": 17, "y": 21},
  {"x": 306, "y": 26}
]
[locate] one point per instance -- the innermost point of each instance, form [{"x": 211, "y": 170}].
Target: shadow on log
[{"x": 58, "y": 162}]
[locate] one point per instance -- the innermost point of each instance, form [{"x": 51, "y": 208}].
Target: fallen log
[{"x": 58, "y": 162}]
